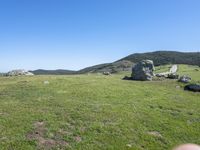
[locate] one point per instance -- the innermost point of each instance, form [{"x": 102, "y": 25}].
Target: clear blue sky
[{"x": 73, "y": 34}]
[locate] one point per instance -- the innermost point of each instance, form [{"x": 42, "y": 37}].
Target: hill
[
  {"x": 158, "y": 57},
  {"x": 52, "y": 72},
  {"x": 118, "y": 66},
  {"x": 126, "y": 63},
  {"x": 166, "y": 57}
]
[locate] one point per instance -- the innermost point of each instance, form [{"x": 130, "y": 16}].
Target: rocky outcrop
[
  {"x": 127, "y": 78},
  {"x": 173, "y": 76},
  {"x": 143, "y": 70},
  {"x": 19, "y": 72},
  {"x": 106, "y": 73},
  {"x": 193, "y": 87},
  {"x": 185, "y": 79}
]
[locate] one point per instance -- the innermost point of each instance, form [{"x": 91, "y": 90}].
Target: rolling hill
[
  {"x": 52, "y": 72},
  {"x": 126, "y": 63},
  {"x": 159, "y": 58},
  {"x": 166, "y": 57}
]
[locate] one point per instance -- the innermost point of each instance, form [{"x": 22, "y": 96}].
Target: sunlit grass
[{"x": 99, "y": 112}]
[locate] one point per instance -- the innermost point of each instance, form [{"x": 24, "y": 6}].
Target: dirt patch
[
  {"x": 78, "y": 139},
  {"x": 3, "y": 114},
  {"x": 44, "y": 143},
  {"x": 154, "y": 133}
]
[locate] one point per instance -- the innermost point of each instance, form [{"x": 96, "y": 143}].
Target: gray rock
[
  {"x": 19, "y": 72},
  {"x": 106, "y": 73},
  {"x": 192, "y": 87},
  {"x": 161, "y": 75},
  {"x": 143, "y": 70},
  {"x": 185, "y": 79},
  {"x": 127, "y": 78},
  {"x": 46, "y": 82},
  {"x": 172, "y": 76}
]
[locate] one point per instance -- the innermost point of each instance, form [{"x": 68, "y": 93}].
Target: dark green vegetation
[
  {"x": 108, "y": 67},
  {"x": 97, "y": 112},
  {"x": 115, "y": 67},
  {"x": 52, "y": 72},
  {"x": 125, "y": 64},
  {"x": 167, "y": 57},
  {"x": 159, "y": 58}
]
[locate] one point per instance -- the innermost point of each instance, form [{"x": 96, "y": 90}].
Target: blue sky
[{"x": 73, "y": 34}]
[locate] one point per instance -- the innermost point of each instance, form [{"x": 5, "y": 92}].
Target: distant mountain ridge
[
  {"x": 126, "y": 63},
  {"x": 52, "y": 72}
]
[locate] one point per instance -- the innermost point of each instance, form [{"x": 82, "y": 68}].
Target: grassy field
[{"x": 96, "y": 112}]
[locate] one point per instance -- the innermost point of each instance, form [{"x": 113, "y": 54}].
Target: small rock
[
  {"x": 127, "y": 78},
  {"x": 106, "y": 73},
  {"x": 46, "y": 82},
  {"x": 129, "y": 145},
  {"x": 185, "y": 79},
  {"x": 154, "y": 133},
  {"x": 172, "y": 76}
]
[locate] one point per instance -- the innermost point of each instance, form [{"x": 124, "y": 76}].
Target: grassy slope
[
  {"x": 164, "y": 68},
  {"x": 104, "y": 111}
]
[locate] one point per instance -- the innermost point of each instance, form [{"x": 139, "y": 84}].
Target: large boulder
[
  {"x": 143, "y": 70},
  {"x": 193, "y": 87},
  {"x": 19, "y": 72}
]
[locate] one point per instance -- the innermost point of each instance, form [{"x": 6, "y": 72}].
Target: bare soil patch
[{"x": 42, "y": 142}]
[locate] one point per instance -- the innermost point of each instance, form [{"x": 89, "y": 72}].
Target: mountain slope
[
  {"x": 118, "y": 66},
  {"x": 126, "y": 63},
  {"x": 52, "y": 72},
  {"x": 166, "y": 57},
  {"x": 159, "y": 58}
]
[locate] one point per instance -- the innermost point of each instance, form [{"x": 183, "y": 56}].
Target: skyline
[{"x": 76, "y": 34}]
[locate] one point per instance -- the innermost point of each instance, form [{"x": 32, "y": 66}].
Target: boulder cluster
[
  {"x": 19, "y": 72},
  {"x": 185, "y": 79}
]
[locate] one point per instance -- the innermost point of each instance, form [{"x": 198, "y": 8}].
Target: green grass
[
  {"x": 92, "y": 112},
  {"x": 161, "y": 69}
]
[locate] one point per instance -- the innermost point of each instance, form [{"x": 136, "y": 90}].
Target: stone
[
  {"x": 172, "y": 76},
  {"x": 127, "y": 78},
  {"x": 19, "y": 72},
  {"x": 185, "y": 79},
  {"x": 106, "y": 73},
  {"x": 143, "y": 70},
  {"x": 192, "y": 87},
  {"x": 161, "y": 75},
  {"x": 46, "y": 82}
]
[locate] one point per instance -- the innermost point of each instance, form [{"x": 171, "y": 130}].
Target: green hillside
[
  {"x": 159, "y": 58},
  {"x": 126, "y": 63},
  {"x": 115, "y": 67},
  {"x": 52, "y": 72},
  {"x": 166, "y": 57}
]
